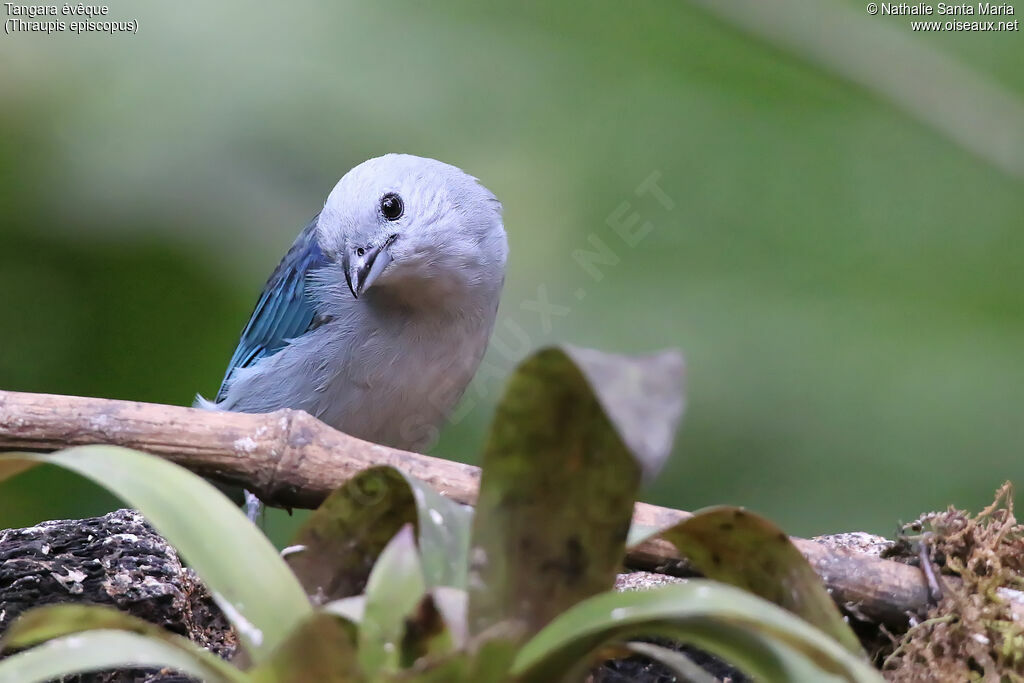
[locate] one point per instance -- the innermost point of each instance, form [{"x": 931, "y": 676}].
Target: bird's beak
[{"x": 362, "y": 271}]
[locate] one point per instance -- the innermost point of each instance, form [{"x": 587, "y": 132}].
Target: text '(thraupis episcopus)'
[{"x": 76, "y": 18}]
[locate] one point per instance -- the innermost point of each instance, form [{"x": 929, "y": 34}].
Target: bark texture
[{"x": 116, "y": 560}]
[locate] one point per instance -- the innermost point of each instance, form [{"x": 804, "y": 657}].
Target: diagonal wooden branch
[{"x": 293, "y": 460}]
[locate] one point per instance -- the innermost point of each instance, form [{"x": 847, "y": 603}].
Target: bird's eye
[
  {"x": 360, "y": 251},
  {"x": 391, "y": 206}
]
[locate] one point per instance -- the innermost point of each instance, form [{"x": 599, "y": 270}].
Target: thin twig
[{"x": 925, "y": 557}]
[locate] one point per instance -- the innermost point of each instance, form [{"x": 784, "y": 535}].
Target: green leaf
[
  {"x": 55, "y": 621},
  {"x": 442, "y": 534},
  {"x": 454, "y": 669},
  {"x": 351, "y": 608},
  {"x": 740, "y": 548},
  {"x": 642, "y": 396},
  {"x": 240, "y": 567},
  {"x": 572, "y": 434},
  {"x": 434, "y": 632},
  {"x": 495, "y": 651},
  {"x": 338, "y": 544},
  {"x": 322, "y": 649},
  {"x": 393, "y": 591},
  {"x": 766, "y": 641},
  {"x": 12, "y": 467},
  {"x": 452, "y": 604},
  {"x": 102, "y": 650}
]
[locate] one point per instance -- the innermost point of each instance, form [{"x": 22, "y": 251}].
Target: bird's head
[{"x": 413, "y": 228}]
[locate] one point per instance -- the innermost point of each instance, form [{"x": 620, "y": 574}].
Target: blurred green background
[{"x": 841, "y": 262}]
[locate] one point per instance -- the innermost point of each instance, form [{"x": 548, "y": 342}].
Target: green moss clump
[{"x": 976, "y": 629}]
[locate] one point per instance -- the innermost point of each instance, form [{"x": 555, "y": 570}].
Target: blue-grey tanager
[{"x": 377, "y": 317}]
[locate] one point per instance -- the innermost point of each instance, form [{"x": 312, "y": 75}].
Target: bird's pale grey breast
[{"x": 377, "y": 317}]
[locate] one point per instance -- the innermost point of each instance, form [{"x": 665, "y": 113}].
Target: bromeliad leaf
[
  {"x": 339, "y": 543},
  {"x": 452, "y": 603},
  {"x": 764, "y": 640},
  {"x": 349, "y": 609},
  {"x": 642, "y": 396},
  {"x": 494, "y": 653},
  {"x": 442, "y": 534},
  {"x": 396, "y": 586},
  {"x": 337, "y": 546},
  {"x": 322, "y": 649},
  {"x": 103, "y": 650},
  {"x": 740, "y": 548},
  {"x": 572, "y": 434},
  {"x": 240, "y": 567},
  {"x": 454, "y": 669},
  {"x": 433, "y": 638},
  {"x": 56, "y": 621}
]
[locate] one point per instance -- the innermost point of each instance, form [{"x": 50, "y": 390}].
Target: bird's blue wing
[{"x": 284, "y": 310}]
